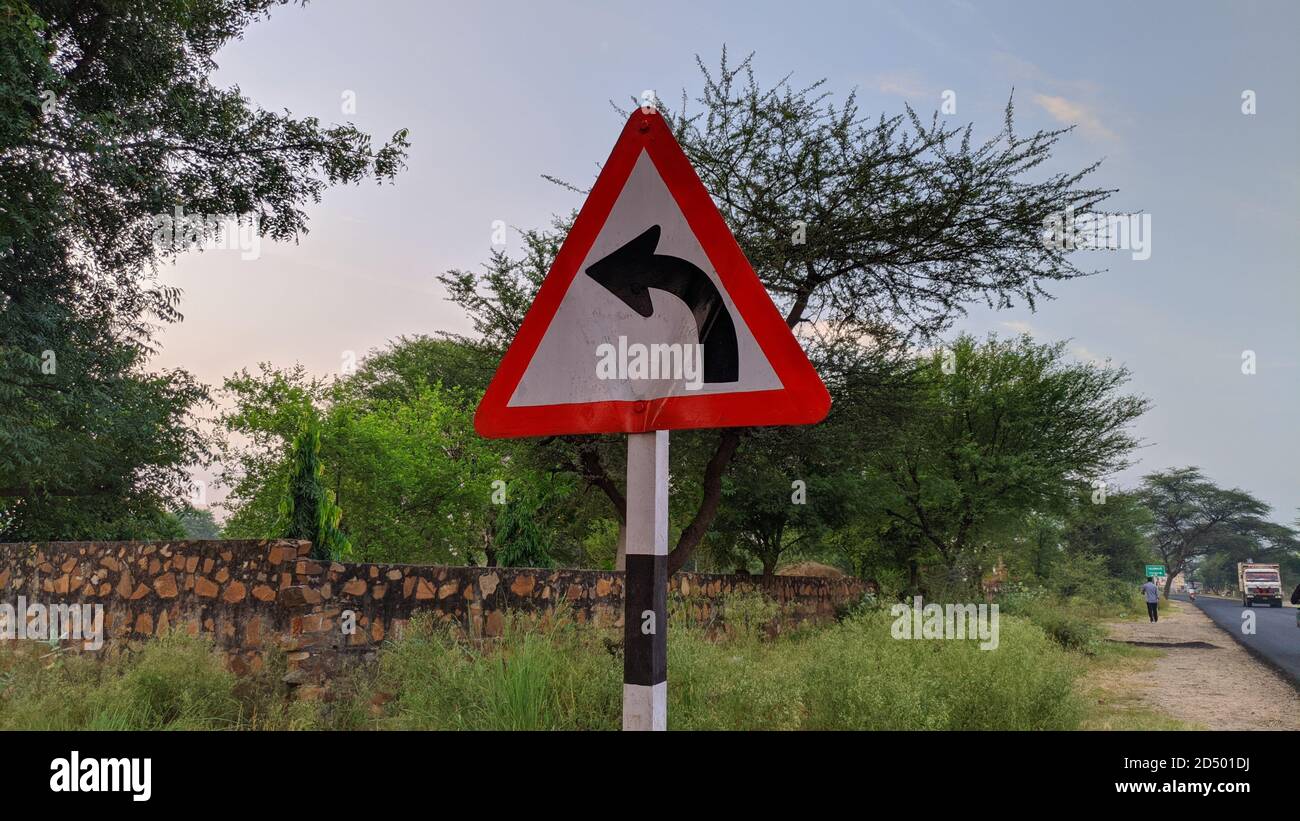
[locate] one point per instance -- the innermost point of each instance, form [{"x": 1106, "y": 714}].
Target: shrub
[
  {"x": 1071, "y": 632},
  {"x": 174, "y": 682}
]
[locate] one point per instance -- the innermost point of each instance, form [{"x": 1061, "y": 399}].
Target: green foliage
[
  {"x": 414, "y": 479},
  {"x": 1087, "y": 576},
  {"x": 309, "y": 508},
  {"x": 175, "y": 682},
  {"x": 108, "y": 118},
  {"x": 1000, "y": 429},
  {"x": 520, "y": 542},
  {"x": 552, "y": 673},
  {"x": 1115, "y": 529},
  {"x": 197, "y": 523},
  {"x": 1192, "y": 518},
  {"x": 850, "y": 676},
  {"x": 793, "y": 487},
  {"x": 1067, "y": 630}
]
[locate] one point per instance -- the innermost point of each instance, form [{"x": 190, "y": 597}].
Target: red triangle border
[{"x": 802, "y": 399}]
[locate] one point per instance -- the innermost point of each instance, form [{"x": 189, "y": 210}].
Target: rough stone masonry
[{"x": 251, "y": 596}]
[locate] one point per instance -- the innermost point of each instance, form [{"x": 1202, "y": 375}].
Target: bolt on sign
[{"x": 649, "y": 320}]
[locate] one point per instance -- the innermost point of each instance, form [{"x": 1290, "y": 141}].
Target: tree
[
  {"x": 795, "y": 486},
  {"x": 1113, "y": 526},
  {"x": 854, "y": 225},
  {"x": 784, "y": 498},
  {"x": 267, "y": 410},
  {"x": 198, "y": 523},
  {"x": 96, "y": 457},
  {"x": 518, "y": 540},
  {"x": 416, "y": 482},
  {"x": 1193, "y": 518},
  {"x": 1002, "y": 430},
  {"x": 309, "y": 509},
  {"x": 109, "y": 124}
]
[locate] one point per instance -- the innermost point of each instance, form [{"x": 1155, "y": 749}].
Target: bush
[
  {"x": 174, "y": 682},
  {"x": 1071, "y": 632},
  {"x": 1087, "y": 577}
]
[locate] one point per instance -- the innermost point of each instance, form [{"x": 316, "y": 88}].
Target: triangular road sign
[{"x": 650, "y": 318}]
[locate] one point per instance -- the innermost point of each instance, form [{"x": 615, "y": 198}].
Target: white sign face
[
  {"x": 615, "y": 342},
  {"x": 634, "y": 329}
]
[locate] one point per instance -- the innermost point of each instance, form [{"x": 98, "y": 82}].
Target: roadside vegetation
[{"x": 554, "y": 673}]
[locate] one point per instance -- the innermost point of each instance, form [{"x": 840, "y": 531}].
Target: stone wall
[{"x": 251, "y": 596}]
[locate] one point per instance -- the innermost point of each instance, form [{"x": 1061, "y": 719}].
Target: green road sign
[{"x": 1155, "y": 570}]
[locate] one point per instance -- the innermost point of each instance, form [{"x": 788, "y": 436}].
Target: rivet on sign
[{"x": 644, "y": 127}]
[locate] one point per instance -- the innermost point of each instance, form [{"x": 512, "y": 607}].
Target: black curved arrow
[{"x": 635, "y": 267}]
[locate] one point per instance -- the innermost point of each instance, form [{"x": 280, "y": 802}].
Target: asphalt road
[{"x": 1276, "y": 639}]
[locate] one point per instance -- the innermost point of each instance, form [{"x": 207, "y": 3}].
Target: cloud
[
  {"x": 1023, "y": 71},
  {"x": 1081, "y": 353},
  {"x": 1084, "y": 355},
  {"x": 1069, "y": 112},
  {"x": 1069, "y": 102},
  {"x": 1018, "y": 327},
  {"x": 902, "y": 84}
]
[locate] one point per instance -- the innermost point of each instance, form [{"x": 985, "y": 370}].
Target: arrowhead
[{"x": 623, "y": 273}]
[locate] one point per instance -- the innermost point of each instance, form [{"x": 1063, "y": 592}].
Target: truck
[{"x": 1258, "y": 583}]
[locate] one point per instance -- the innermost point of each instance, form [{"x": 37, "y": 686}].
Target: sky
[{"x": 495, "y": 95}]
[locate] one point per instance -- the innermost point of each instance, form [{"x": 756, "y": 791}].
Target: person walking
[{"x": 1152, "y": 594}]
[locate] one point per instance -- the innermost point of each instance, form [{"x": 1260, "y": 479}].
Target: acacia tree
[
  {"x": 854, "y": 224},
  {"x": 1001, "y": 429},
  {"x": 108, "y": 119},
  {"x": 1192, "y": 517},
  {"x": 796, "y": 485},
  {"x": 1113, "y": 526}
]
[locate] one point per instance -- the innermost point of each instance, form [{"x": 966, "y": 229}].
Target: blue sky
[{"x": 497, "y": 94}]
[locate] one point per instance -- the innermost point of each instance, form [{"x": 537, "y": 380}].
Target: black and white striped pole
[{"x": 645, "y": 584}]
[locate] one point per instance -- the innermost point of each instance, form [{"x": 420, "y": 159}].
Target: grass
[
  {"x": 553, "y": 673},
  {"x": 1112, "y": 703}
]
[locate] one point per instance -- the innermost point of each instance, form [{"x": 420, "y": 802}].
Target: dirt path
[{"x": 1204, "y": 678}]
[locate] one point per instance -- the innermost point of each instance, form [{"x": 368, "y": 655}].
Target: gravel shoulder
[{"x": 1201, "y": 676}]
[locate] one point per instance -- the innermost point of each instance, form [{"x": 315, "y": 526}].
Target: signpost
[
  {"x": 1155, "y": 570},
  {"x": 650, "y": 319}
]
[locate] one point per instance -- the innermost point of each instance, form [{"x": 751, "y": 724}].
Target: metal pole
[{"x": 645, "y": 584}]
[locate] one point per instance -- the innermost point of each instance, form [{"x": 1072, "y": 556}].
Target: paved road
[{"x": 1276, "y": 637}]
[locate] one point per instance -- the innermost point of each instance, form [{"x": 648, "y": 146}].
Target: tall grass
[
  {"x": 553, "y": 673},
  {"x": 174, "y": 683},
  {"x": 542, "y": 674}
]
